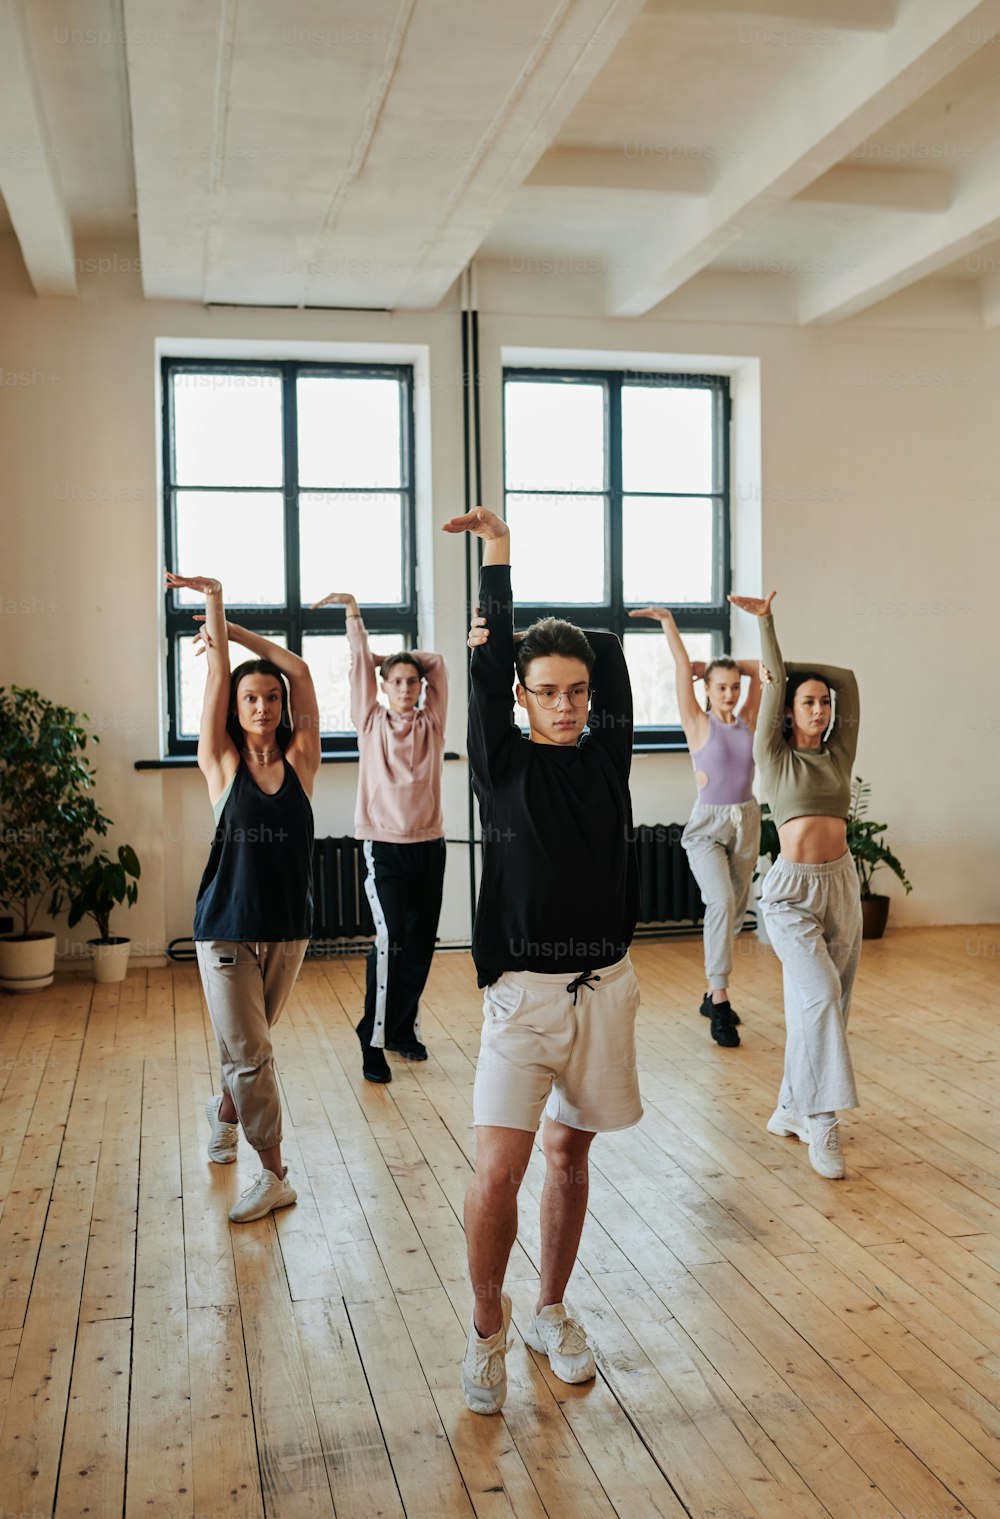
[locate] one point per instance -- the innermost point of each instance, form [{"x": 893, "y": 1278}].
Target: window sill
[{"x": 190, "y": 761}]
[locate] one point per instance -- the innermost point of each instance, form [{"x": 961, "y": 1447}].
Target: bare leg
[
  {"x": 227, "y": 1108},
  {"x": 719, "y": 996},
  {"x": 502, "y": 1157},
  {"x": 564, "y": 1206}
]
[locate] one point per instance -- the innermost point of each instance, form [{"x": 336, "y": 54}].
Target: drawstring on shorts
[{"x": 585, "y": 978}]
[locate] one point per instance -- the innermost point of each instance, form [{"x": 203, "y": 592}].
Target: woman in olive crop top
[
  {"x": 811, "y": 900},
  {"x": 722, "y": 836}
]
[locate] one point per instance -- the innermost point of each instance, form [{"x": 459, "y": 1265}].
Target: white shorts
[{"x": 540, "y": 1050}]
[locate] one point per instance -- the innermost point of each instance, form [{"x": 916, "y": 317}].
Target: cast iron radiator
[
  {"x": 668, "y": 892},
  {"x": 340, "y": 907}
]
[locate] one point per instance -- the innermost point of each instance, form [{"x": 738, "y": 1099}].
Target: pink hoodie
[{"x": 399, "y": 781}]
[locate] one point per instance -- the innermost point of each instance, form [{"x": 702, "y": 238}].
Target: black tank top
[{"x": 258, "y": 884}]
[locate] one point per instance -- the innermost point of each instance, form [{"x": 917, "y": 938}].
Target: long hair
[
  {"x": 792, "y": 684},
  {"x": 283, "y": 731},
  {"x": 552, "y": 635},
  {"x": 721, "y": 662}
]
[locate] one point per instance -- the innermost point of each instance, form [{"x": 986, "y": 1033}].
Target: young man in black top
[{"x": 557, "y": 910}]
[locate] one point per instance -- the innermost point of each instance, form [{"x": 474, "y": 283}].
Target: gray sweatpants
[
  {"x": 722, "y": 844},
  {"x": 813, "y": 918},
  {"x": 246, "y": 987}
]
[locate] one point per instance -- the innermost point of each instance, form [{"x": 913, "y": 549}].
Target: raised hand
[
  {"x": 337, "y": 599},
  {"x": 203, "y": 584},
  {"x": 697, "y": 669},
  {"x": 483, "y": 523},
  {"x": 657, "y": 614},
  {"x": 757, "y": 606}
]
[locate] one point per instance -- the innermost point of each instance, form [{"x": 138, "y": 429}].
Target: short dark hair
[
  {"x": 552, "y": 635},
  {"x": 795, "y": 680},
  {"x": 402, "y": 658},
  {"x": 258, "y": 667}
]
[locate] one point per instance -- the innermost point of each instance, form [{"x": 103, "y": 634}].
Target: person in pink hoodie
[{"x": 398, "y": 814}]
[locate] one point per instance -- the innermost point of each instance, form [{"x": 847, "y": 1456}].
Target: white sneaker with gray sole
[
  {"x": 484, "y": 1370},
  {"x": 265, "y": 1194},
  {"x": 225, "y": 1137},
  {"x": 564, "y": 1341}
]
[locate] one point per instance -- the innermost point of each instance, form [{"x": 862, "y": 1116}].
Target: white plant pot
[
  {"x": 110, "y": 958},
  {"x": 27, "y": 964}
]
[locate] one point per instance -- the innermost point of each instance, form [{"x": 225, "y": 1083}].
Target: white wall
[{"x": 877, "y": 497}]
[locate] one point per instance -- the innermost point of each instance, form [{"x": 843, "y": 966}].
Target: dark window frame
[
  {"x": 397, "y": 622},
  {"x": 612, "y": 614}
]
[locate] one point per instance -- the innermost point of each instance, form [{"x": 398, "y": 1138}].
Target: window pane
[
  {"x": 554, "y": 436},
  {"x": 329, "y": 660},
  {"x": 558, "y": 548},
  {"x": 351, "y": 543},
  {"x": 666, "y": 439},
  {"x": 191, "y": 670},
  {"x": 239, "y": 537},
  {"x": 227, "y": 429},
  {"x": 651, "y": 670},
  {"x": 349, "y": 432},
  {"x": 667, "y": 550}
]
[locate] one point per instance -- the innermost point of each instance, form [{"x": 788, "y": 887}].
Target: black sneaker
[
  {"x": 707, "y": 1005},
  {"x": 414, "y": 1051},
  {"x": 724, "y": 1026},
  {"x": 374, "y": 1066}
]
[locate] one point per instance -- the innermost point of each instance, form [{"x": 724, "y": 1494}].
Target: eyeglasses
[{"x": 549, "y": 697}]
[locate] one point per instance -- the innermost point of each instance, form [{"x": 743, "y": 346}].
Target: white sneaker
[
  {"x": 484, "y": 1370},
  {"x": 263, "y": 1196},
  {"x": 825, "y": 1155},
  {"x": 564, "y": 1341},
  {"x": 784, "y": 1122},
  {"x": 225, "y": 1137}
]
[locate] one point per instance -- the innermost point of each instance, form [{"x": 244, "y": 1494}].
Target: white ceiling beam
[
  {"x": 828, "y": 108},
  {"x": 930, "y": 243},
  {"x": 570, "y": 51},
  {"x": 28, "y": 180},
  {"x": 659, "y": 170},
  {"x": 847, "y": 15},
  {"x": 882, "y": 189}
]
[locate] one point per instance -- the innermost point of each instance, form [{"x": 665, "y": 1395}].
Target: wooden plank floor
[{"x": 770, "y": 1345}]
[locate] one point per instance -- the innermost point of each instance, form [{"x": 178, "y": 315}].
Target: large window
[
  {"x": 617, "y": 491},
  {"x": 286, "y": 481}
]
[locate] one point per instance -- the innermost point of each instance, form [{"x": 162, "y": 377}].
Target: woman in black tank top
[{"x": 259, "y": 750}]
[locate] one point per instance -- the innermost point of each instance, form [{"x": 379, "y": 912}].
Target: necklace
[{"x": 262, "y": 756}]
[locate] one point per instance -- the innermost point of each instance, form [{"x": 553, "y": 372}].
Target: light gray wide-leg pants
[
  {"x": 813, "y": 918},
  {"x": 722, "y": 844}
]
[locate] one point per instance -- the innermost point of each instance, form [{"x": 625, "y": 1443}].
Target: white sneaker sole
[{"x": 272, "y": 1207}]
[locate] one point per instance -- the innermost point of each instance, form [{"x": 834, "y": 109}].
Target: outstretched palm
[
  {"x": 483, "y": 523},
  {"x": 757, "y": 606},
  {"x": 203, "y": 584},
  {"x": 658, "y": 614},
  {"x": 334, "y": 599}
]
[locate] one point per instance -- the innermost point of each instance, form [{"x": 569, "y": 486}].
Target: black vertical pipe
[{"x": 466, "y": 441}]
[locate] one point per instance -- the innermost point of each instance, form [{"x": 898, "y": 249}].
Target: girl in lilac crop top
[{"x": 722, "y": 837}]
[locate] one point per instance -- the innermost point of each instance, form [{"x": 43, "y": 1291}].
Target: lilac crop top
[{"x": 726, "y": 758}]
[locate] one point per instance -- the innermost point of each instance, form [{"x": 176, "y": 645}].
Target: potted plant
[
  {"x": 101, "y": 885},
  {"x": 47, "y": 819},
  {"x": 869, "y": 853}
]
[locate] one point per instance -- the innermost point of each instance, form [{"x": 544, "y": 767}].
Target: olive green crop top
[{"x": 804, "y": 782}]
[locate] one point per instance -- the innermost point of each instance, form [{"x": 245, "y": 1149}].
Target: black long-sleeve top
[{"x": 560, "y": 884}]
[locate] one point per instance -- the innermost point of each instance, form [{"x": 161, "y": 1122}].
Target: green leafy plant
[
  {"x": 102, "y": 885},
  {"x": 769, "y": 842},
  {"x": 48, "y": 816},
  {"x": 868, "y": 850}
]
